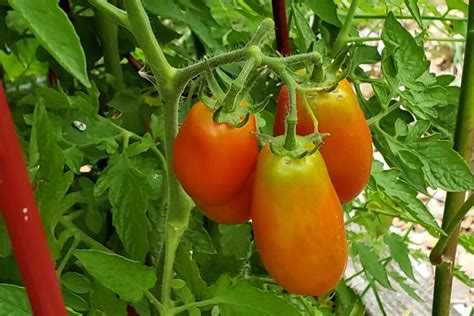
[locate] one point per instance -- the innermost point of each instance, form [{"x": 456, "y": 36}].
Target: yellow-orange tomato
[
  {"x": 234, "y": 211},
  {"x": 298, "y": 223},
  {"x": 348, "y": 150},
  {"x": 213, "y": 161}
]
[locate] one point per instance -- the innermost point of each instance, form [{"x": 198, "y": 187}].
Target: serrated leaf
[
  {"x": 371, "y": 263},
  {"x": 467, "y": 241},
  {"x": 399, "y": 252},
  {"x": 14, "y": 301},
  {"x": 407, "y": 58},
  {"x": 405, "y": 196},
  {"x": 55, "y": 32},
  {"x": 404, "y": 285},
  {"x": 443, "y": 167},
  {"x": 127, "y": 278},
  {"x": 463, "y": 277},
  {"x": 129, "y": 193},
  {"x": 244, "y": 299}
]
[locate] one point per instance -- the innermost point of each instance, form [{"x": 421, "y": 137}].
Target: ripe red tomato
[
  {"x": 213, "y": 161},
  {"x": 234, "y": 211},
  {"x": 298, "y": 223},
  {"x": 348, "y": 150}
]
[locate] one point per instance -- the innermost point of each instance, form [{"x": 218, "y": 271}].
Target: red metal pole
[
  {"x": 24, "y": 223},
  {"x": 281, "y": 27}
]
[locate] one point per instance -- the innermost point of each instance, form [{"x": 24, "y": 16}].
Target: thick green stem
[
  {"x": 186, "y": 307},
  {"x": 463, "y": 140},
  {"x": 409, "y": 17},
  {"x": 116, "y": 14},
  {"x": 343, "y": 35},
  {"x": 428, "y": 39},
  {"x": 107, "y": 30},
  {"x": 141, "y": 29},
  {"x": 173, "y": 237},
  {"x": 436, "y": 255}
]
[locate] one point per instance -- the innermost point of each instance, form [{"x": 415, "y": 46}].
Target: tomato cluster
[{"x": 294, "y": 203}]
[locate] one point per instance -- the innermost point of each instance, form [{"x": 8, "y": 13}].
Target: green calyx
[{"x": 305, "y": 145}]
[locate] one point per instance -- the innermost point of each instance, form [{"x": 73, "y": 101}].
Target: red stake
[
  {"x": 281, "y": 27},
  {"x": 24, "y": 223}
]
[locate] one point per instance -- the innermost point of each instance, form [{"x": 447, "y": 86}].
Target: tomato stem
[
  {"x": 310, "y": 111},
  {"x": 409, "y": 17},
  {"x": 232, "y": 99},
  {"x": 341, "y": 39},
  {"x": 116, "y": 14},
  {"x": 463, "y": 140},
  {"x": 436, "y": 255},
  {"x": 107, "y": 30}
]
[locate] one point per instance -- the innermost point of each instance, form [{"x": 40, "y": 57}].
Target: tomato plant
[{"x": 347, "y": 151}]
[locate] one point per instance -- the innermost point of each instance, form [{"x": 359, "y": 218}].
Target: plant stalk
[
  {"x": 343, "y": 35},
  {"x": 107, "y": 30},
  {"x": 463, "y": 140}
]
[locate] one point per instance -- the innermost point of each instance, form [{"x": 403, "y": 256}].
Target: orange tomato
[
  {"x": 298, "y": 223},
  {"x": 234, "y": 211},
  {"x": 213, "y": 161},
  {"x": 347, "y": 151}
]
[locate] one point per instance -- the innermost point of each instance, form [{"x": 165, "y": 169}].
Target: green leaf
[
  {"x": 127, "y": 278},
  {"x": 460, "y": 5},
  {"x": 463, "y": 277},
  {"x": 371, "y": 263},
  {"x": 235, "y": 240},
  {"x": 76, "y": 282},
  {"x": 408, "y": 58},
  {"x": 412, "y": 6},
  {"x": 129, "y": 192},
  {"x": 54, "y": 30},
  {"x": 326, "y": 10},
  {"x": 305, "y": 33},
  {"x": 244, "y": 299},
  {"x": 196, "y": 237},
  {"x": 443, "y": 167},
  {"x": 75, "y": 301},
  {"x": 73, "y": 158},
  {"x": 14, "y": 301},
  {"x": 404, "y": 285},
  {"x": 405, "y": 196},
  {"x": 47, "y": 159},
  {"x": 187, "y": 269},
  {"x": 348, "y": 302},
  {"x": 105, "y": 302},
  {"x": 399, "y": 251},
  {"x": 5, "y": 246},
  {"x": 467, "y": 241}
]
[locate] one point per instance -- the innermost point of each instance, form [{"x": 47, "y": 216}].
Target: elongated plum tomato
[
  {"x": 298, "y": 223},
  {"x": 234, "y": 211},
  {"x": 348, "y": 150},
  {"x": 213, "y": 161}
]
